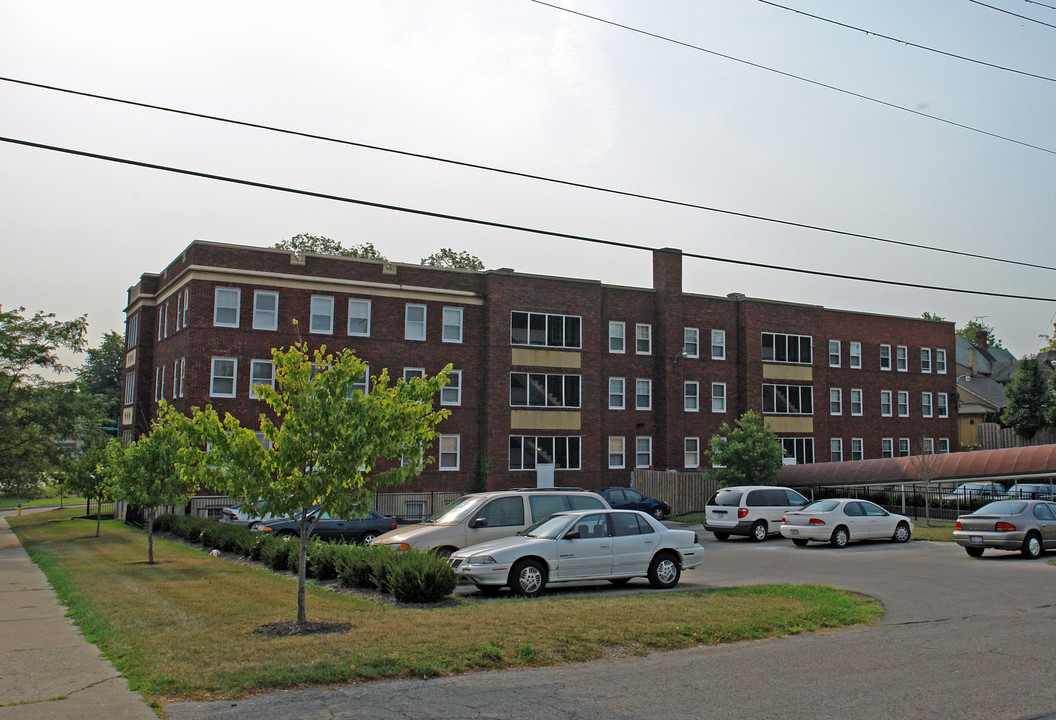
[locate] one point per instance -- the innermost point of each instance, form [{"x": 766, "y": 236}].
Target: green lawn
[{"x": 183, "y": 628}]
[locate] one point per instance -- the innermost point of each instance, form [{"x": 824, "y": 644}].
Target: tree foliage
[
  {"x": 1030, "y": 400},
  {"x": 969, "y": 331},
  {"x": 327, "y": 442},
  {"x": 102, "y": 373},
  {"x": 931, "y": 316},
  {"x": 448, "y": 258},
  {"x": 325, "y": 246},
  {"x": 747, "y": 454},
  {"x": 1049, "y": 340}
]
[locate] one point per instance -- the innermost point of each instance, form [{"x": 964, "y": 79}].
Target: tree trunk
[
  {"x": 98, "y": 513},
  {"x": 302, "y": 563},
  {"x": 150, "y": 537}
]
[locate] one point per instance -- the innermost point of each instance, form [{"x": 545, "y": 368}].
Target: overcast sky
[{"x": 523, "y": 86}]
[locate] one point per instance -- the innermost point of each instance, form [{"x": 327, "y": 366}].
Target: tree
[
  {"x": 446, "y": 257},
  {"x": 925, "y": 465},
  {"x": 747, "y": 454},
  {"x": 101, "y": 375},
  {"x": 931, "y": 316},
  {"x": 969, "y": 331},
  {"x": 325, "y": 246},
  {"x": 325, "y": 446},
  {"x": 158, "y": 469},
  {"x": 1050, "y": 340},
  {"x": 1051, "y": 415},
  {"x": 1029, "y": 400},
  {"x": 84, "y": 472}
]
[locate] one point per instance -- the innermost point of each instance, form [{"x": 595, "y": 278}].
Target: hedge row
[{"x": 409, "y": 576}]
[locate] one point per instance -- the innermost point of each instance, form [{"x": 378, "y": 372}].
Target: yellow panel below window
[
  {"x": 798, "y": 373},
  {"x": 130, "y": 358},
  {"x": 545, "y": 420},
  {"x": 126, "y": 416},
  {"x": 801, "y": 425},
  {"x": 546, "y": 358}
]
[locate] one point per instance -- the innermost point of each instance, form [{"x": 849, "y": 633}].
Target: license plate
[
  {"x": 793, "y": 532},
  {"x": 976, "y": 540}
]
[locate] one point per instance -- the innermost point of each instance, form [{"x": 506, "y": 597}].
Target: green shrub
[
  {"x": 381, "y": 561},
  {"x": 322, "y": 559},
  {"x": 275, "y": 553},
  {"x": 353, "y": 565},
  {"x": 419, "y": 577}
]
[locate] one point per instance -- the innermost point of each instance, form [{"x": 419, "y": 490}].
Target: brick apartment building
[{"x": 595, "y": 378}]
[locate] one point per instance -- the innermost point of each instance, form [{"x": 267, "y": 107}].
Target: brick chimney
[{"x": 980, "y": 338}]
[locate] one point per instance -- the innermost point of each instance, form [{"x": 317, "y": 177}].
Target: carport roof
[{"x": 1015, "y": 464}]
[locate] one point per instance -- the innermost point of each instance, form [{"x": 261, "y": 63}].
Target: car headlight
[{"x": 481, "y": 560}]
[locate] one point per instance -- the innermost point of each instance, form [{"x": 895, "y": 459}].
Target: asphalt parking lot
[{"x": 961, "y": 638}]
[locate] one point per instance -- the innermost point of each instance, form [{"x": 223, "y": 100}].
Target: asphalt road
[{"x": 961, "y": 638}]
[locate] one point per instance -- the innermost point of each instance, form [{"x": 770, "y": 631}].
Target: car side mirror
[
  {"x": 572, "y": 535},
  {"x": 479, "y": 523}
]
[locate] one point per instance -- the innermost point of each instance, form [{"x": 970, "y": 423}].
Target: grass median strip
[{"x": 183, "y": 628}]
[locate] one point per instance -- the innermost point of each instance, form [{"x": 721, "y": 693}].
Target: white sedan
[
  {"x": 840, "y": 520},
  {"x": 613, "y": 545}
]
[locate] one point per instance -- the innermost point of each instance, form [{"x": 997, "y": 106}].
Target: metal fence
[{"x": 919, "y": 502}]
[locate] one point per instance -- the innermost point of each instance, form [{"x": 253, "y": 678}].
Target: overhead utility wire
[
  {"x": 910, "y": 44},
  {"x": 503, "y": 226},
  {"x": 514, "y": 173},
  {"x": 1035, "y": 2},
  {"x": 1009, "y": 12},
  {"x": 799, "y": 77}
]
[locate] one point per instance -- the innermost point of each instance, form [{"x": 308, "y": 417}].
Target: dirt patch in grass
[{"x": 311, "y": 627}]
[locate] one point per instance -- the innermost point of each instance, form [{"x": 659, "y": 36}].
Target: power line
[
  {"x": 800, "y": 78},
  {"x": 1035, "y": 2},
  {"x": 1009, "y": 12},
  {"x": 503, "y": 226},
  {"x": 910, "y": 44},
  {"x": 529, "y": 176}
]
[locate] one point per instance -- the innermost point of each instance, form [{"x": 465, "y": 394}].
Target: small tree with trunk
[
  {"x": 925, "y": 466},
  {"x": 1029, "y": 400},
  {"x": 747, "y": 454}
]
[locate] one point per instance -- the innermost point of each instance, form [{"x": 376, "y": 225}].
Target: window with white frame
[
  {"x": 857, "y": 449},
  {"x": 322, "y": 315},
  {"x": 526, "y": 451},
  {"x": 691, "y": 395},
  {"x": 885, "y": 357},
  {"x": 544, "y": 390},
  {"x": 449, "y": 451},
  {"x": 161, "y": 324},
  {"x": 165, "y": 324},
  {"x": 359, "y": 317},
  {"x": 928, "y": 446},
  {"x": 925, "y": 360},
  {"x": 546, "y": 330},
  {"x": 158, "y": 392},
  {"x": 856, "y": 401},
  {"x": 186, "y": 305},
  {"x": 643, "y": 394},
  {"x": 854, "y": 355},
  {"x": 903, "y": 403},
  {"x": 835, "y": 401},
  {"x": 410, "y": 373},
  {"x": 643, "y": 339},
  {"x": 451, "y": 394},
  {"x": 691, "y": 342},
  {"x": 940, "y": 361},
  {"x": 451, "y": 332},
  {"x": 886, "y": 407},
  {"x": 788, "y": 399},
  {"x": 798, "y": 349},
  {"x": 718, "y": 344},
  {"x": 183, "y": 374},
  {"x": 414, "y": 322},
  {"x": 887, "y": 447},
  {"x": 718, "y": 397},
  {"x": 944, "y": 445},
  {"x": 691, "y": 452},
  {"x": 265, "y": 310},
  {"x": 903, "y": 447},
  {"x": 643, "y": 451},
  {"x": 616, "y": 453},
  {"x": 942, "y": 401},
  {"x": 132, "y": 334},
  {"x": 175, "y": 378},
  {"x": 261, "y": 372},
  {"x": 834, "y": 353},
  {"x": 222, "y": 377},
  {"x": 836, "y": 450},
  {"x": 617, "y": 386},
  {"x": 617, "y": 336},
  {"x": 361, "y": 382},
  {"x": 925, "y": 404},
  {"x": 226, "y": 306},
  {"x": 262, "y": 439},
  {"x": 902, "y": 358},
  {"x": 179, "y": 310}
]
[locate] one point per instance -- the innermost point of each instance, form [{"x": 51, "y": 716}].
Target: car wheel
[
  {"x": 664, "y": 571},
  {"x": 840, "y": 537},
  {"x": 974, "y": 552},
  {"x": 721, "y": 536},
  {"x": 1031, "y": 547},
  {"x": 901, "y": 533},
  {"x": 619, "y": 582},
  {"x": 800, "y": 542},
  {"x": 528, "y": 578},
  {"x": 444, "y": 552},
  {"x": 368, "y": 537},
  {"x": 285, "y": 535},
  {"x": 758, "y": 533},
  {"x": 658, "y": 513}
]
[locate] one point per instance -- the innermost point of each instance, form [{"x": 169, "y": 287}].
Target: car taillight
[
  {"x": 393, "y": 524},
  {"x": 957, "y": 525},
  {"x": 1005, "y": 527},
  {"x": 742, "y": 512},
  {"x": 816, "y": 521},
  {"x": 696, "y": 540}
]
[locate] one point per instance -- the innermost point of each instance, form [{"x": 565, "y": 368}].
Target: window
[
  {"x": 856, "y": 401},
  {"x": 322, "y": 320},
  {"x": 903, "y": 403},
  {"x": 222, "y": 380},
  {"x": 183, "y": 373},
  {"x": 857, "y": 451},
  {"x": 543, "y": 330},
  {"x": 691, "y": 342},
  {"x": 161, "y": 323},
  {"x": 527, "y": 450},
  {"x": 175, "y": 379},
  {"x": 925, "y": 360},
  {"x": 616, "y": 390},
  {"x": 835, "y": 401},
  {"x": 928, "y": 446},
  {"x": 359, "y": 317},
  {"x": 362, "y": 383},
  {"x": 887, "y": 448},
  {"x": 261, "y": 372},
  {"x": 617, "y": 337},
  {"x": 179, "y": 310},
  {"x": 788, "y": 400},
  {"x": 410, "y": 373},
  {"x": 943, "y": 405},
  {"x": 854, "y": 355},
  {"x": 157, "y": 384},
  {"x": 643, "y": 339},
  {"x": 718, "y": 344},
  {"x": 186, "y": 304},
  {"x": 718, "y": 397},
  {"x": 502, "y": 512},
  {"x": 451, "y": 394},
  {"x": 616, "y": 452},
  {"x": 925, "y": 404},
  {"x": 643, "y": 452},
  {"x": 799, "y": 449},
  {"x": 902, "y": 358},
  {"x": 903, "y": 447},
  {"x": 451, "y": 332},
  {"x": 263, "y": 440},
  {"x": 165, "y": 323},
  {"x": 834, "y": 353},
  {"x": 414, "y": 322},
  {"x": 944, "y": 445},
  {"x": 788, "y": 348},
  {"x": 643, "y": 394},
  {"x": 940, "y": 361},
  {"x": 543, "y": 390},
  {"x": 886, "y": 409},
  {"x": 449, "y": 447},
  {"x": 226, "y": 305},
  {"x": 691, "y": 452},
  {"x": 265, "y": 310},
  {"x": 885, "y": 357},
  {"x": 836, "y": 450},
  {"x": 132, "y": 332},
  {"x": 691, "y": 395}
]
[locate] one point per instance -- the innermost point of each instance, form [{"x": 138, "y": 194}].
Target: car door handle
[{"x": 604, "y": 547}]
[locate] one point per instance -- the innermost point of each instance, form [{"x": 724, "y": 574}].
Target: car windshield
[
  {"x": 821, "y": 506},
  {"x": 456, "y": 512},
  {"x": 551, "y": 527},
  {"x": 1003, "y": 507}
]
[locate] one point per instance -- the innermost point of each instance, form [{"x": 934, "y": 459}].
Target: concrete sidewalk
[{"x": 48, "y": 671}]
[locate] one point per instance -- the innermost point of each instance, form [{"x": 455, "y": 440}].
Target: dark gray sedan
[{"x": 1028, "y": 526}]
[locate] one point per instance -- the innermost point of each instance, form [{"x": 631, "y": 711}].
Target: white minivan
[{"x": 752, "y": 510}]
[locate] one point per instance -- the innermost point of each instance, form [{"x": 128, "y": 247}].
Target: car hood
[
  {"x": 406, "y": 533},
  {"x": 495, "y": 546}
]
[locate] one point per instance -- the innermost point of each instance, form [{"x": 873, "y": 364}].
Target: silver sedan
[
  {"x": 840, "y": 520},
  {"x": 1028, "y": 526}
]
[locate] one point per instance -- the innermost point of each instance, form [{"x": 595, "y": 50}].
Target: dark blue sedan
[
  {"x": 361, "y": 530},
  {"x": 628, "y": 499}
]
